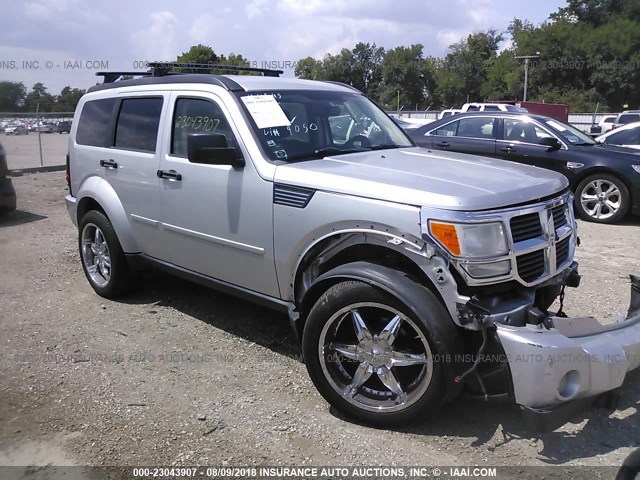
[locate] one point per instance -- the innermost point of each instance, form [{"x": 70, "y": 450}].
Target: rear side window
[
  {"x": 625, "y": 137},
  {"x": 93, "y": 125},
  {"x": 628, "y": 118},
  {"x": 138, "y": 122}
]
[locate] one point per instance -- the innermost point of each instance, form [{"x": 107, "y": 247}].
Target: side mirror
[
  {"x": 212, "y": 149},
  {"x": 550, "y": 142}
]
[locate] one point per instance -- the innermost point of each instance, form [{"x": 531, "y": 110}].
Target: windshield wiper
[
  {"x": 323, "y": 152},
  {"x": 385, "y": 146}
]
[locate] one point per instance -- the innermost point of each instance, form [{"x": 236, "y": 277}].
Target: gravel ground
[{"x": 176, "y": 374}]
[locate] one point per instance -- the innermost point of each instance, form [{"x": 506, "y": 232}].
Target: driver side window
[{"x": 196, "y": 115}]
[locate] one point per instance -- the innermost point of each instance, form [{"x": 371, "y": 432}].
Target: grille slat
[
  {"x": 559, "y": 216},
  {"x": 525, "y": 227},
  {"x": 562, "y": 251},
  {"x": 531, "y": 265}
]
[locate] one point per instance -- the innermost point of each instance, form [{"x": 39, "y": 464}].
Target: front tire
[
  {"x": 103, "y": 260},
  {"x": 371, "y": 358},
  {"x": 602, "y": 198}
]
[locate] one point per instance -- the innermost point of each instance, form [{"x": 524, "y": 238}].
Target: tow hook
[{"x": 634, "y": 304}]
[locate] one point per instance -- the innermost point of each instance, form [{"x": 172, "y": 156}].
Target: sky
[{"x": 65, "y": 42}]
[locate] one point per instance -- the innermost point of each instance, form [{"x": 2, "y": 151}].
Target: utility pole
[
  {"x": 39, "y": 133},
  {"x": 526, "y": 59}
]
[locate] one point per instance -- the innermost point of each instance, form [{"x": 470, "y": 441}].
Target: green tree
[
  {"x": 39, "y": 96},
  {"x": 68, "y": 99},
  {"x": 12, "y": 96},
  {"x": 199, "y": 54},
  {"x": 308, "y": 68},
  {"x": 465, "y": 69},
  {"x": 406, "y": 78}
]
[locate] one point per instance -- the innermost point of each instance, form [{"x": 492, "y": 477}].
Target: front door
[
  {"x": 520, "y": 142},
  {"x": 217, "y": 219}
]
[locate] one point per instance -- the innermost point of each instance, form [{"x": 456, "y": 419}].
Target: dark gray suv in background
[{"x": 7, "y": 192}]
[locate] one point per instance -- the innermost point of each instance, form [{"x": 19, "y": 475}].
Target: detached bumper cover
[{"x": 578, "y": 358}]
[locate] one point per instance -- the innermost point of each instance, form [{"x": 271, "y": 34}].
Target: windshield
[
  {"x": 299, "y": 124},
  {"x": 570, "y": 134}
]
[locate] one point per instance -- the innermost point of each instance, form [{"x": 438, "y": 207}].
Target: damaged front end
[{"x": 558, "y": 365}]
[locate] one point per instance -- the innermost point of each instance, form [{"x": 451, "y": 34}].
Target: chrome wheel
[
  {"x": 601, "y": 199},
  {"x": 375, "y": 357},
  {"x": 95, "y": 255}
]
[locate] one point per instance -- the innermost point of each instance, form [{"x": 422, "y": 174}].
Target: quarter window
[
  {"x": 93, "y": 125},
  {"x": 138, "y": 123},
  {"x": 194, "y": 115}
]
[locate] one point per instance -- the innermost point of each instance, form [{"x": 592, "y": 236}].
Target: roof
[{"x": 236, "y": 83}]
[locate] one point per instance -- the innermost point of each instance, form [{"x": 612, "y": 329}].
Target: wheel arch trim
[{"x": 100, "y": 191}]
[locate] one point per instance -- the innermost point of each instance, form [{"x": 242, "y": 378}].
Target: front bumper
[{"x": 576, "y": 359}]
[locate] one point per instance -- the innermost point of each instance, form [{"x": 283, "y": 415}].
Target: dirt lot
[{"x": 177, "y": 374}]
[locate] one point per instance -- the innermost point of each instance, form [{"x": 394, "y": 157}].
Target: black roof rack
[
  {"x": 161, "y": 69},
  {"x": 110, "y": 77}
]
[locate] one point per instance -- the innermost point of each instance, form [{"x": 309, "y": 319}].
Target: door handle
[
  {"x": 109, "y": 163},
  {"x": 508, "y": 149},
  {"x": 444, "y": 144},
  {"x": 169, "y": 174}
]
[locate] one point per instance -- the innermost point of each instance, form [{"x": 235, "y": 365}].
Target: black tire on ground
[
  {"x": 340, "y": 298},
  {"x": 117, "y": 281},
  {"x": 586, "y": 187}
]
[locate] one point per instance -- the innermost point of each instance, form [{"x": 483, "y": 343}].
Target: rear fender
[{"x": 100, "y": 191}]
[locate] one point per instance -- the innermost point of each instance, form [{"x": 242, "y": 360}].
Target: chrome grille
[{"x": 542, "y": 242}]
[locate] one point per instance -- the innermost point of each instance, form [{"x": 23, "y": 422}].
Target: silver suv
[{"x": 410, "y": 276}]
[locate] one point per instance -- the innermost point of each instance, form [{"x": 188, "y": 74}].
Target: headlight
[{"x": 470, "y": 240}]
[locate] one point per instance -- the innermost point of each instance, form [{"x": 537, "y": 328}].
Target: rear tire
[
  {"x": 371, "y": 358},
  {"x": 602, "y": 198},
  {"x": 102, "y": 258}
]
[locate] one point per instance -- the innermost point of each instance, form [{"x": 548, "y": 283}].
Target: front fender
[{"x": 100, "y": 191}]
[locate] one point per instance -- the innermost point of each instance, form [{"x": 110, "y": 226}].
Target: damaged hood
[{"x": 420, "y": 177}]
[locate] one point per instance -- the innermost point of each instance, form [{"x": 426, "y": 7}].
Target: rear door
[
  {"x": 117, "y": 139},
  {"x": 473, "y": 135}
]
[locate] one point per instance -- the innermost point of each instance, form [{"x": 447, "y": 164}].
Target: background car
[
  {"x": 626, "y": 117},
  {"x": 16, "y": 129},
  {"x": 605, "y": 178},
  {"x": 626, "y": 136},
  {"x": 7, "y": 192},
  {"x": 448, "y": 112},
  {"x": 63, "y": 126},
  {"x": 606, "y": 123},
  {"x": 491, "y": 107},
  {"x": 46, "y": 127}
]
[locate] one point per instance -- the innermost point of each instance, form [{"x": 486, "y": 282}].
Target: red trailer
[{"x": 553, "y": 110}]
